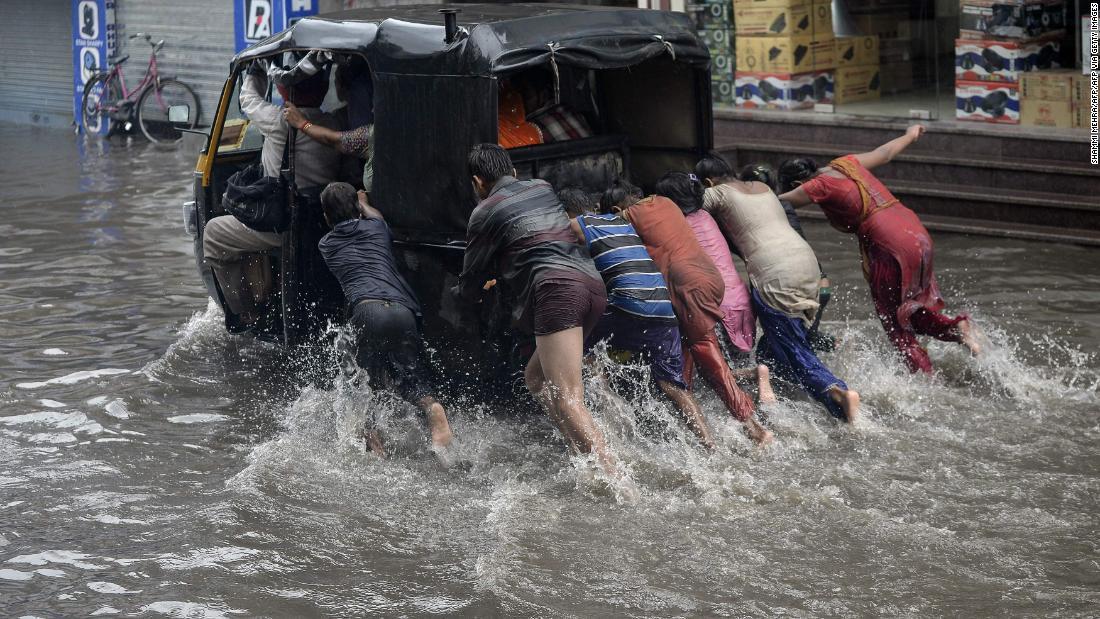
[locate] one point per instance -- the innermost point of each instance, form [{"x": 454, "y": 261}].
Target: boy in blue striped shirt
[{"x": 639, "y": 317}]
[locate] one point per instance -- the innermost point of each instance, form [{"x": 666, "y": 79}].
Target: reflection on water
[{"x": 151, "y": 464}]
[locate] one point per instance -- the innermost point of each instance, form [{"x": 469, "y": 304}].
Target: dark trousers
[{"x": 388, "y": 347}]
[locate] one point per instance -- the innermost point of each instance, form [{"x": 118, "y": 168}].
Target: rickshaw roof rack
[{"x": 493, "y": 39}]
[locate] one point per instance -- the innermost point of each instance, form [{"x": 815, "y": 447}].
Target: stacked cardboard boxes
[
  {"x": 785, "y": 52},
  {"x": 713, "y": 22},
  {"x": 1000, "y": 43},
  {"x": 1054, "y": 99},
  {"x": 891, "y": 24},
  {"x": 857, "y": 72}
]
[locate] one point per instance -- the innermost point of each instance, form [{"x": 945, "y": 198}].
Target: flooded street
[{"x": 151, "y": 465}]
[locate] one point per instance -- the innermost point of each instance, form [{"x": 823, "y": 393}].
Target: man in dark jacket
[
  {"x": 383, "y": 308},
  {"x": 519, "y": 233}
]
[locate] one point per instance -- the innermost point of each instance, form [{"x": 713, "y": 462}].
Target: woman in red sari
[{"x": 896, "y": 248}]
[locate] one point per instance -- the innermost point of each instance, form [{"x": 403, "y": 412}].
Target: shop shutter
[
  {"x": 36, "y": 67},
  {"x": 198, "y": 43}
]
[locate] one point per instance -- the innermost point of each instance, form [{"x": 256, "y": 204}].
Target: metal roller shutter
[
  {"x": 36, "y": 66},
  {"x": 198, "y": 43}
]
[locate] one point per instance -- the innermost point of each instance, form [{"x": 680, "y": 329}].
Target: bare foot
[
  {"x": 373, "y": 439},
  {"x": 969, "y": 335},
  {"x": 849, "y": 403},
  {"x": 758, "y": 433},
  {"x": 764, "y": 384}
]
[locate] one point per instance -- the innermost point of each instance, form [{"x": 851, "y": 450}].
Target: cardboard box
[
  {"x": 1048, "y": 85},
  {"x": 1081, "y": 115},
  {"x": 788, "y": 55},
  {"x": 773, "y": 3},
  {"x": 887, "y": 25},
  {"x": 896, "y": 77},
  {"x": 781, "y": 91},
  {"x": 857, "y": 51},
  {"x": 895, "y": 50},
  {"x": 773, "y": 20},
  {"x": 1040, "y": 113},
  {"x": 857, "y": 84},
  {"x": 723, "y": 93},
  {"x": 1011, "y": 19},
  {"x": 988, "y": 102},
  {"x": 708, "y": 16},
  {"x": 1002, "y": 61},
  {"x": 1081, "y": 88},
  {"x": 823, "y": 18},
  {"x": 717, "y": 41},
  {"x": 721, "y": 67}
]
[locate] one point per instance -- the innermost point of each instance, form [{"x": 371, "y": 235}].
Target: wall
[{"x": 36, "y": 65}]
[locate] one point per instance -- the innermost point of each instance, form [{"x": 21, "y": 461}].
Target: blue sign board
[
  {"x": 94, "y": 42},
  {"x": 255, "y": 20}
]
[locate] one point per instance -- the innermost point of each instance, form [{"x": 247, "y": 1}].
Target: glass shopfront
[{"x": 1000, "y": 62}]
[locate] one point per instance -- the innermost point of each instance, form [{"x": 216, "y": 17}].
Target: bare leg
[
  {"x": 373, "y": 439},
  {"x": 714, "y": 369},
  {"x": 969, "y": 337},
  {"x": 554, "y": 377},
  {"x": 764, "y": 385},
  {"x": 690, "y": 412},
  {"x": 848, "y": 401},
  {"x": 437, "y": 421}
]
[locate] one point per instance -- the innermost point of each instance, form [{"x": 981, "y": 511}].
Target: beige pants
[{"x": 239, "y": 257}]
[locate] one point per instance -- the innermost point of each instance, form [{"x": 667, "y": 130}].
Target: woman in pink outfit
[{"x": 738, "y": 321}]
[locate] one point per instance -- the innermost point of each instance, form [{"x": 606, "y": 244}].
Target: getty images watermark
[{"x": 1094, "y": 82}]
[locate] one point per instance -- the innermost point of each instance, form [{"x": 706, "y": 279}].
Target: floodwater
[{"x": 151, "y": 465}]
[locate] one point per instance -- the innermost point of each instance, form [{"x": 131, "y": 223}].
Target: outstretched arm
[
  {"x": 263, "y": 114},
  {"x": 797, "y": 197},
  {"x": 324, "y": 135},
  {"x": 886, "y": 153},
  {"x": 366, "y": 210}
]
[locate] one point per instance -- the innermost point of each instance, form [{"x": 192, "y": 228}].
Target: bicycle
[{"x": 107, "y": 99}]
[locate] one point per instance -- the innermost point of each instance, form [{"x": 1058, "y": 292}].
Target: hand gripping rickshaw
[{"x": 640, "y": 77}]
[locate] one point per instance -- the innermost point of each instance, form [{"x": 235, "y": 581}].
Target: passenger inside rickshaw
[
  {"x": 354, "y": 88},
  {"x": 330, "y": 102}
]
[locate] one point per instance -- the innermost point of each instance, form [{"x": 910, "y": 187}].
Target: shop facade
[
  {"x": 52, "y": 46},
  {"x": 1005, "y": 62}
]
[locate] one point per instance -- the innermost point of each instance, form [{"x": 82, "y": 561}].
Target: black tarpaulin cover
[{"x": 494, "y": 39}]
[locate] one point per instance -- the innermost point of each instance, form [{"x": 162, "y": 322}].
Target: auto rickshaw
[{"x": 639, "y": 77}]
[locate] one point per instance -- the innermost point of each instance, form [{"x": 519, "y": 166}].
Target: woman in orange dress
[
  {"x": 696, "y": 290},
  {"x": 896, "y": 248}
]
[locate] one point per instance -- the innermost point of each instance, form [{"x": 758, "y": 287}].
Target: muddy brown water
[{"x": 151, "y": 465}]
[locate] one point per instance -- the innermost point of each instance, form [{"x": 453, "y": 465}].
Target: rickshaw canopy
[{"x": 492, "y": 39}]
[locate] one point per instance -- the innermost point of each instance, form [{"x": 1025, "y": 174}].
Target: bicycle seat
[
  {"x": 159, "y": 44},
  {"x": 122, "y": 59}
]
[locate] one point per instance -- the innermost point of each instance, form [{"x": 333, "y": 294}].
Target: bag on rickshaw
[{"x": 256, "y": 200}]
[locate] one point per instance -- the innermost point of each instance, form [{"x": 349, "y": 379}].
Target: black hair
[
  {"x": 761, "y": 173},
  {"x": 354, "y": 70},
  {"x": 794, "y": 172},
  {"x": 576, "y": 201},
  {"x": 620, "y": 194},
  {"x": 682, "y": 188},
  {"x": 713, "y": 167},
  {"x": 489, "y": 162},
  {"x": 340, "y": 203}
]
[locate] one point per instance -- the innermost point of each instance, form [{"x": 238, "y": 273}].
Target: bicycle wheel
[
  {"x": 153, "y": 106},
  {"x": 101, "y": 93}
]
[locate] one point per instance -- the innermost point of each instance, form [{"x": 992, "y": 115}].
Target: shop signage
[
  {"x": 94, "y": 43},
  {"x": 255, "y": 20}
]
